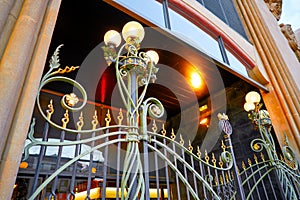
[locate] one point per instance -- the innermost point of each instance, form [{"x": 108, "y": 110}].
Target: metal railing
[{"x": 124, "y": 160}]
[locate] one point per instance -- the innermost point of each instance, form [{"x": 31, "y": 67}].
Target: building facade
[{"x": 235, "y": 46}]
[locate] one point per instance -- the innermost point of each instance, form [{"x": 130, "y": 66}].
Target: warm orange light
[
  {"x": 196, "y": 80},
  {"x": 15, "y": 185},
  {"x": 23, "y": 165},
  {"x": 204, "y": 121},
  {"x": 94, "y": 170},
  {"x": 202, "y": 108}
]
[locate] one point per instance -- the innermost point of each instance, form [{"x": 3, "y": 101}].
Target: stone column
[
  {"x": 9, "y": 24},
  {"x": 5, "y": 7},
  {"x": 15, "y": 61},
  {"x": 21, "y": 68},
  {"x": 278, "y": 60}
]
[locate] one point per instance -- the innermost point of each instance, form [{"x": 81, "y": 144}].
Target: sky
[{"x": 291, "y": 13}]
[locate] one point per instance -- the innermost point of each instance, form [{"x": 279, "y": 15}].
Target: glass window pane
[
  {"x": 236, "y": 65},
  {"x": 148, "y": 9},
  {"x": 194, "y": 35}
]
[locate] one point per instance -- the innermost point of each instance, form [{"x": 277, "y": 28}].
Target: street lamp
[
  {"x": 262, "y": 122},
  {"x": 134, "y": 69},
  {"x": 255, "y": 114}
]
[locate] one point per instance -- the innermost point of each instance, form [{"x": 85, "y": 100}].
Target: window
[{"x": 150, "y": 10}]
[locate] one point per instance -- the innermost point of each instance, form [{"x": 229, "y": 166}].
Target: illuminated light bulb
[
  {"x": 153, "y": 56},
  {"x": 112, "y": 37},
  {"x": 133, "y": 31},
  {"x": 203, "y": 108},
  {"x": 252, "y": 97},
  {"x": 204, "y": 121},
  {"x": 196, "y": 80},
  {"x": 249, "y": 106}
]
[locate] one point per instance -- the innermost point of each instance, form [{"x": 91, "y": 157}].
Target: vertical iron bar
[
  {"x": 118, "y": 167},
  {"x": 272, "y": 188},
  {"x": 223, "y": 187},
  {"x": 210, "y": 178},
  {"x": 254, "y": 179},
  {"x": 176, "y": 175},
  {"x": 194, "y": 176},
  {"x": 132, "y": 88},
  {"x": 185, "y": 175},
  {"x": 240, "y": 189},
  {"x": 72, "y": 184},
  {"x": 146, "y": 168},
  {"x": 89, "y": 181},
  {"x": 43, "y": 193},
  {"x": 217, "y": 182},
  {"x": 202, "y": 175},
  {"x": 40, "y": 158},
  {"x": 156, "y": 170},
  {"x": 249, "y": 187},
  {"x": 278, "y": 183},
  {"x": 58, "y": 161},
  {"x": 105, "y": 167},
  {"x": 263, "y": 184},
  {"x": 167, "y": 172}
]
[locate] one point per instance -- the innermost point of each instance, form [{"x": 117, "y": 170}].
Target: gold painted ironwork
[
  {"x": 67, "y": 69},
  {"x": 243, "y": 165},
  {"x": 249, "y": 162},
  {"x": 206, "y": 157},
  {"x": 213, "y": 159},
  {"x": 221, "y": 179},
  {"x": 190, "y": 146},
  {"x": 256, "y": 146},
  {"x": 154, "y": 126},
  {"x": 222, "y": 116},
  {"x": 71, "y": 99},
  {"x": 107, "y": 118},
  {"x": 255, "y": 159},
  {"x": 181, "y": 140},
  {"x": 173, "y": 136},
  {"x": 50, "y": 110},
  {"x": 227, "y": 178},
  {"x": 95, "y": 120},
  {"x": 65, "y": 119},
  {"x": 80, "y": 122},
  {"x": 216, "y": 180},
  {"x": 221, "y": 162},
  {"x": 198, "y": 152},
  {"x": 223, "y": 146},
  {"x": 262, "y": 157},
  {"x": 120, "y": 117},
  {"x": 163, "y": 131}
]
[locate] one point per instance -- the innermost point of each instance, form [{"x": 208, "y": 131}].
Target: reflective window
[
  {"x": 226, "y": 11},
  {"x": 148, "y": 9},
  {"x": 192, "y": 34},
  {"x": 236, "y": 65}
]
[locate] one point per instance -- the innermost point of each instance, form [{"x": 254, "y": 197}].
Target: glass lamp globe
[
  {"x": 112, "y": 37},
  {"x": 153, "y": 56},
  {"x": 253, "y": 97},
  {"x": 133, "y": 31},
  {"x": 249, "y": 106}
]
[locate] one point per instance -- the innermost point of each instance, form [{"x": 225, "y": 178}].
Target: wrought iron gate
[{"x": 180, "y": 171}]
